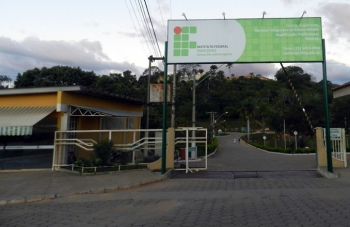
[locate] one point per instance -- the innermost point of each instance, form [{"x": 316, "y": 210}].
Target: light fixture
[
  {"x": 264, "y": 14},
  {"x": 303, "y": 14},
  {"x": 223, "y": 13},
  {"x": 184, "y": 15}
]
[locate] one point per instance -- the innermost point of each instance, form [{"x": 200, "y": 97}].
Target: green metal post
[
  {"x": 326, "y": 112},
  {"x": 164, "y": 109}
]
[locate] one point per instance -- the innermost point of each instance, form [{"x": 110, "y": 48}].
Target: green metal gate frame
[{"x": 325, "y": 104}]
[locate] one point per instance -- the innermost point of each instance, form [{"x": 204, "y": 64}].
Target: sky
[{"x": 106, "y": 36}]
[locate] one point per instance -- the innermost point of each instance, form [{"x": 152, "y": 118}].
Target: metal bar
[
  {"x": 186, "y": 155},
  {"x": 165, "y": 78},
  {"x": 173, "y": 99},
  {"x": 326, "y": 111}
]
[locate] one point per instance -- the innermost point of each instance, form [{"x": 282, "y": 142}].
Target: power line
[
  {"x": 155, "y": 36},
  {"x": 143, "y": 34},
  {"x": 162, "y": 17},
  {"x": 146, "y": 27},
  {"x": 138, "y": 35}
]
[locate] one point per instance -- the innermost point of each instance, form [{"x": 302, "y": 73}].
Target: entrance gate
[{"x": 267, "y": 40}]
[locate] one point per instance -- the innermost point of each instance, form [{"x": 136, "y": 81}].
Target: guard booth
[
  {"x": 29, "y": 118},
  {"x": 338, "y": 147}
]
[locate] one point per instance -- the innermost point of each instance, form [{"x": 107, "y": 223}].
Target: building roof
[
  {"x": 342, "y": 90},
  {"x": 73, "y": 89}
]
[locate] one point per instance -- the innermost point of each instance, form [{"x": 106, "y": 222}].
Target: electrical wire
[
  {"x": 143, "y": 34},
  {"x": 138, "y": 35},
  {"x": 161, "y": 14},
  {"x": 148, "y": 29},
  {"x": 154, "y": 32}
]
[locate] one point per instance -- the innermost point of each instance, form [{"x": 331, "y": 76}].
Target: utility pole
[
  {"x": 212, "y": 119},
  {"x": 173, "y": 99},
  {"x": 151, "y": 59},
  {"x": 193, "y": 144}
]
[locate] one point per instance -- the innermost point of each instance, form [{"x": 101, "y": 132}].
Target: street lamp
[
  {"x": 215, "y": 123},
  {"x": 264, "y": 138},
  {"x": 295, "y": 134}
]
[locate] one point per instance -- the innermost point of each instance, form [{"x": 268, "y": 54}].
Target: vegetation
[{"x": 265, "y": 102}]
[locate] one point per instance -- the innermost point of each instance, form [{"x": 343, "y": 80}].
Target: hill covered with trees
[{"x": 266, "y": 102}]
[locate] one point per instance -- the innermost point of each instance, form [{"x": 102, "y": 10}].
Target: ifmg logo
[{"x": 181, "y": 40}]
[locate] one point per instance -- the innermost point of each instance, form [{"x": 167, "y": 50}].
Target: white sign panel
[
  {"x": 245, "y": 40},
  {"x": 157, "y": 93},
  {"x": 335, "y": 133},
  {"x": 188, "y": 42}
]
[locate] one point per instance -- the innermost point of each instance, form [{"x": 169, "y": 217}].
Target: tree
[
  {"x": 4, "y": 79},
  {"x": 229, "y": 66},
  {"x": 55, "y": 76}
]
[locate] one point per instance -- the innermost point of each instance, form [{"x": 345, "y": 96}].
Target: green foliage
[
  {"x": 96, "y": 161},
  {"x": 210, "y": 148},
  {"x": 55, "y": 76},
  {"x": 82, "y": 162},
  {"x": 282, "y": 150},
  {"x": 266, "y": 103},
  {"x": 103, "y": 150}
]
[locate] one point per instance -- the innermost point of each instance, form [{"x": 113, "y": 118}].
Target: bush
[
  {"x": 210, "y": 148},
  {"x": 282, "y": 150},
  {"x": 103, "y": 150},
  {"x": 82, "y": 162}
]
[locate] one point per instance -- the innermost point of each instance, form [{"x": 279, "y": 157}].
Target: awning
[
  {"x": 19, "y": 121},
  {"x": 94, "y": 111}
]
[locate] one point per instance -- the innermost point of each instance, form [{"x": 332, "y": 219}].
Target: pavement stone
[{"x": 272, "y": 200}]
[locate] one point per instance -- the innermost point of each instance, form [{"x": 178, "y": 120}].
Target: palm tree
[{"x": 229, "y": 66}]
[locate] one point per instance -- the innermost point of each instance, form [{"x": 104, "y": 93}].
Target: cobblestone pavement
[
  {"x": 196, "y": 202},
  {"x": 275, "y": 199}
]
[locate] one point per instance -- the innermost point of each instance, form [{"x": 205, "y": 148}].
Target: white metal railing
[
  {"x": 133, "y": 141},
  {"x": 62, "y": 140},
  {"x": 338, "y": 145},
  {"x": 195, "y": 140}
]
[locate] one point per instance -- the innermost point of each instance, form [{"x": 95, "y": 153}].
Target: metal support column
[
  {"x": 326, "y": 112},
  {"x": 165, "y": 78}
]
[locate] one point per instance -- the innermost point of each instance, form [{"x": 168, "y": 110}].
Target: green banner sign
[{"x": 245, "y": 40}]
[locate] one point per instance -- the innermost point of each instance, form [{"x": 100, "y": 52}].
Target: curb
[
  {"x": 36, "y": 198},
  {"x": 327, "y": 174}
]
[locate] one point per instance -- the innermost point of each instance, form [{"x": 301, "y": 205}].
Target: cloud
[
  {"x": 292, "y": 2},
  {"x": 337, "y": 72},
  {"x": 336, "y": 19},
  {"x": 17, "y": 57}
]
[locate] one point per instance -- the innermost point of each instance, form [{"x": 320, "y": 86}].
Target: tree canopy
[{"x": 266, "y": 102}]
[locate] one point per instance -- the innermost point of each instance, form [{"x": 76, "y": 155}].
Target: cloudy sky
[{"x": 107, "y": 35}]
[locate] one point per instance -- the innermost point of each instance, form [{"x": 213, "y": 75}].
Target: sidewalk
[{"x": 31, "y": 186}]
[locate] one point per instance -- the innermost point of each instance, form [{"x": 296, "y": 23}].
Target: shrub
[
  {"x": 103, "y": 150},
  {"x": 210, "y": 148},
  {"x": 282, "y": 150},
  {"x": 82, "y": 162}
]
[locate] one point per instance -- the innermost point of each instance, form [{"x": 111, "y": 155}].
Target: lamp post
[
  {"x": 213, "y": 121},
  {"x": 264, "y": 137},
  {"x": 216, "y": 121}
]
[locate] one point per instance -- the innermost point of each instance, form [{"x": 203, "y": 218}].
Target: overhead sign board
[
  {"x": 245, "y": 40},
  {"x": 157, "y": 93}
]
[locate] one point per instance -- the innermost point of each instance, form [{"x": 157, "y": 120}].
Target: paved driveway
[{"x": 242, "y": 157}]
